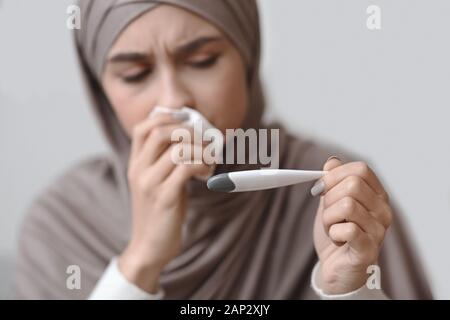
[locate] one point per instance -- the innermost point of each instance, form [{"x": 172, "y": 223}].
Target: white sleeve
[
  {"x": 363, "y": 293},
  {"x": 114, "y": 286}
]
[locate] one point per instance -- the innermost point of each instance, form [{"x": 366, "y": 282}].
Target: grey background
[{"x": 383, "y": 94}]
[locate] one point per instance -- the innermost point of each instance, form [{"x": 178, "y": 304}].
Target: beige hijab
[{"x": 255, "y": 245}]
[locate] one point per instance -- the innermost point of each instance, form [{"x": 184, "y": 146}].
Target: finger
[
  {"x": 142, "y": 130},
  {"x": 177, "y": 179},
  {"x": 185, "y": 153},
  {"x": 349, "y": 210},
  {"x": 355, "y": 187},
  {"x": 319, "y": 186},
  {"x": 331, "y": 163},
  {"x": 159, "y": 140},
  {"x": 360, "y": 169},
  {"x": 353, "y": 235},
  {"x": 159, "y": 171},
  {"x": 163, "y": 167}
]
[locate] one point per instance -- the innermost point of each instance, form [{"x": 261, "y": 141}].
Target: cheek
[
  {"x": 129, "y": 108},
  {"x": 225, "y": 99}
]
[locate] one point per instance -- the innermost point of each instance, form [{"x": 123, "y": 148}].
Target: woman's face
[{"x": 173, "y": 58}]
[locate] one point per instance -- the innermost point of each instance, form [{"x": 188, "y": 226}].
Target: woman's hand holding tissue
[{"x": 158, "y": 196}]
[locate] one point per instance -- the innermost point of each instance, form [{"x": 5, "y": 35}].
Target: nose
[{"x": 173, "y": 92}]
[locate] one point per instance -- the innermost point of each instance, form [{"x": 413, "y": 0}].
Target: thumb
[
  {"x": 319, "y": 186},
  {"x": 332, "y": 163}
]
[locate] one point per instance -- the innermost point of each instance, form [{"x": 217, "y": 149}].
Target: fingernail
[
  {"x": 318, "y": 188},
  {"x": 208, "y": 175},
  {"x": 182, "y": 116},
  {"x": 333, "y": 157}
]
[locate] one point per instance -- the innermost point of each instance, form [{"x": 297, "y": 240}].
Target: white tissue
[{"x": 195, "y": 119}]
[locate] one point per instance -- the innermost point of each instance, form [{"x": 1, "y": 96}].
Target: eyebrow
[
  {"x": 128, "y": 57},
  {"x": 183, "y": 50},
  {"x": 196, "y": 44}
]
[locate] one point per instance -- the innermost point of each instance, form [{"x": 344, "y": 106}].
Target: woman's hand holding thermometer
[{"x": 351, "y": 221}]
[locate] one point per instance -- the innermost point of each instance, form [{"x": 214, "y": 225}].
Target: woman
[{"x": 156, "y": 229}]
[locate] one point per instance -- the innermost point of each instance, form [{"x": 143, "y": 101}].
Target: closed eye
[
  {"x": 205, "y": 63},
  {"x": 140, "y": 76}
]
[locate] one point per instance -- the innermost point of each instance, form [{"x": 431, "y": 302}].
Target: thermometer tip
[{"x": 221, "y": 183}]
